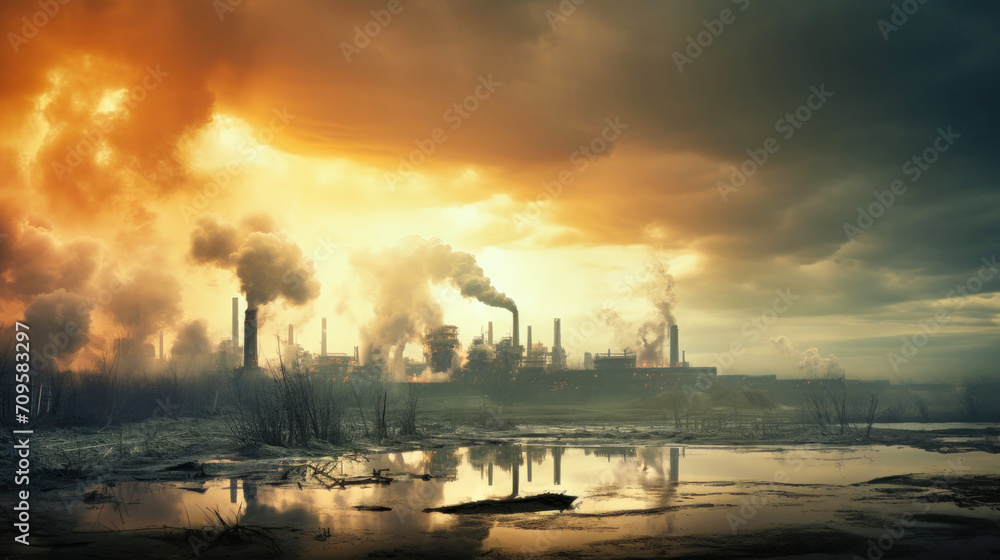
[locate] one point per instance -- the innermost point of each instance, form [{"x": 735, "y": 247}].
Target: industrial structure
[
  {"x": 488, "y": 364},
  {"x": 236, "y": 326},
  {"x": 674, "y": 345},
  {"x": 250, "y": 340},
  {"x": 442, "y": 344}
]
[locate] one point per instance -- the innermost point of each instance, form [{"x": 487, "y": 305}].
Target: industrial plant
[{"x": 484, "y": 365}]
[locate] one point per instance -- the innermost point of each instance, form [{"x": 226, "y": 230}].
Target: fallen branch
[{"x": 540, "y": 502}]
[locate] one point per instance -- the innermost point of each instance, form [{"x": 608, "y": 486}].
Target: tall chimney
[
  {"x": 291, "y": 335},
  {"x": 236, "y": 325},
  {"x": 161, "y": 346},
  {"x": 557, "y": 354},
  {"x": 250, "y": 339},
  {"x": 489, "y": 334},
  {"x": 516, "y": 339},
  {"x": 322, "y": 342},
  {"x": 529, "y": 341},
  {"x": 674, "y": 345},
  {"x": 684, "y": 357}
]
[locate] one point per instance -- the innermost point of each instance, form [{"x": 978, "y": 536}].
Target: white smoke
[
  {"x": 783, "y": 345},
  {"x": 399, "y": 279},
  {"x": 813, "y": 364},
  {"x": 646, "y": 337}
]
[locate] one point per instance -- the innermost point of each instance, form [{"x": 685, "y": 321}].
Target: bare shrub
[
  {"x": 871, "y": 411},
  {"x": 284, "y": 407},
  {"x": 827, "y": 406},
  {"x": 408, "y": 412},
  {"x": 490, "y": 417}
]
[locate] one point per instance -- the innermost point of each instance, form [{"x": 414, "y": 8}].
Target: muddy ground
[{"x": 182, "y": 451}]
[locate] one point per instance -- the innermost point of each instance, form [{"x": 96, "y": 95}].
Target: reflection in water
[
  {"x": 557, "y": 453},
  {"x": 249, "y": 491},
  {"x": 675, "y": 460},
  {"x": 515, "y": 478},
  {"x": 607, "y": 480}
]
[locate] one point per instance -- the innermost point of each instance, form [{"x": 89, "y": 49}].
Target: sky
[{"x": 815, "y": 176}]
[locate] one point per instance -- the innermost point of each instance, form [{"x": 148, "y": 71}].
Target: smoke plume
[
  {"x": 268, "y": 265},
  {"x": 813, "y": 364},
  {"x": 33, "y": 261},
  {"x": 783, "y": 345},
  {"x": 60, "y": 323},
  {"x": 399, "y": 280},
  {"x": 647, "y": 337},
  {"x": 39, "y": 271},
  {"x": 192, "y": 351},
  {"x": 147, "y": 303},
  {"x": 212, "y": 241}
]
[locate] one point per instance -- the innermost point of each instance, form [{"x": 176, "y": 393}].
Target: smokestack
[
  {"x": 236, "y": 325},
  {"x": 291, "y": 335},
  {"x": 516, "y": 337},
  {"x": 684, "y": 358},
  {"x": 161, "y": 346},
  {"x": 489, "y": 334},
  {"x": 529, "y": 341},
  {"x": 674, "y": 345},
  {"x": 250, "y": 339},
  {"x": 322, "y": 343},
  {"x": 557, "y": 355},
  {"x": 357, "y": 355}
]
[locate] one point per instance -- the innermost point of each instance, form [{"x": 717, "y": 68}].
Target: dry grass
[{"x": 285, "y": 407}]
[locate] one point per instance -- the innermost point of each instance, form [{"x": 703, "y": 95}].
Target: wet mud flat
[{"x": 670, "y": 500}]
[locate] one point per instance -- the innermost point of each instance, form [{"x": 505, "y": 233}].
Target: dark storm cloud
[{"x": 889, "y": 98}]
